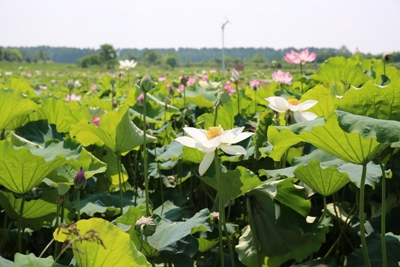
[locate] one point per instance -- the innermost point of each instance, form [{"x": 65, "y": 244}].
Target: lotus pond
[{"x": 197, "y": 169}]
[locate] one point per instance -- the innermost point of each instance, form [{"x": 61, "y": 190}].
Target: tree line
[{"x": 107, "y": 55}]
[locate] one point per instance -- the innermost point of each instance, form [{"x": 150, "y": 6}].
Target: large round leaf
[
  {"x": 116, "y": 130},
  {"x": 118, "y": 249},
  {"x": 324, "y": 181}
]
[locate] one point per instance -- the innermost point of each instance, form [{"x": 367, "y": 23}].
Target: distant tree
[
  {"x": 171, "y": 59},
  {"x": 90, "y": 60},
  {"x": 12, "y": 54},
  {"x": 259, "y": 60},
  {"x": 42, "y": 56},
  {"x": 152, "y": 57},
  {"x": 108, "y": 56}
]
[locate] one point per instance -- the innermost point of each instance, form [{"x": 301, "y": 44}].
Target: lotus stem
[
  {"x": 121, "y": 205},
  {"x": 220, "y": 209},
  {"x": 383, "y": 216},
  {"x": 78, "y": 205},
  {"x": 301, "y": 83},
  {"x": 238, "y": 96},
  {"x": 361, "y": 217},
  {"x": 21, "y": 211},
  {"x": 145, "y": 171}
]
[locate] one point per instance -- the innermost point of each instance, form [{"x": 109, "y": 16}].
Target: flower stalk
[{"x": 361, "y": 217}]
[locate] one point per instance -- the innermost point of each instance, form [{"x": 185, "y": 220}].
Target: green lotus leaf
[
  {"x": 234, "y": 183},
  {"x": 38, "y": 212},
  {"x": 38, "y": 132},
  {"x": 17, "y": 163},
  {"x": 61, "y": 114},
  {"x": 128, "y": 219},
  {"x": 114, "y": 249},
  {"x": 116, "y": 130},
  {"x": 23, "y": 86},
  {"x": 356, "y": 139},
  {"x": 356, "y": 258},
  {"x": 264, "y": 121},
  {"x": 14, "y": 104},
  {"x": 112, "y": 173},
  {"x": 324, "y": 181},
  {"x": 30, "y": 260},
  {"x": 107, "y": 203},
  {"x": 281, "y": 244},
  {"x": 168, "y": 233},
  {"x": 323, "y": 94},
  {"x": 201, "y": 97},
  {"x": 340, "y": 69},
  {"x": 380, "y": 102},
  {"x": 6, "y": 263}
]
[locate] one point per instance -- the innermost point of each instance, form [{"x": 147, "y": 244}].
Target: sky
[{"x": 369, "y": 25}]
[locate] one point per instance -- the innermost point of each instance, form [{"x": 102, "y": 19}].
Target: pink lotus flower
[
  {"x": 204, "y": 78},
  {"x": 140, "y": 100},
  {"x": 282, "y": 77},
  {"x": 191, "y": 81},
  {"x": 213, "y": 71},
  {"x": 95, "y": 121},
  {"x": 300, "y": 58},
  {"x": 254, "y": 84},
  {"x": 73, "y": 97},
  {"x": 228, "y": 88},
  {"x": 93, "y": 87},
  {"x": 181, "y": 88},
  {"x": 162, "y": 78}
]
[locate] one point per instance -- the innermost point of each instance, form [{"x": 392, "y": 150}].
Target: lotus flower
[
  {"x": 162, "y": 78},
  {"x": 282, "y": 77},
  {"x": 96, "y": 120},
  {"x": 191, "y": 81},
  {"x": 73, "y": 97},
  {"x": 300, "y": 58},
  {"x": 80, "y": 179},
  {"x": 280, "y": 104},
  {"x": 127, "y": 64},
  {"x": 208, "y": 141},
  {"x": 235, "y": 75},
  {"x": 254, "y": 84},
  {"x": 228, "y": 88},
  {"x": 140, "y": 100}
]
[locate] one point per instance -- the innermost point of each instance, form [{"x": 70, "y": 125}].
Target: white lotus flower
[
  {"x": 280, "y": 104},
  {"x": 127, "y": 64},
  {"x": 208, "y": 141}
]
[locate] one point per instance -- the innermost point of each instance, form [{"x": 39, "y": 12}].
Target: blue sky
[{"x": 372, "y": 26}]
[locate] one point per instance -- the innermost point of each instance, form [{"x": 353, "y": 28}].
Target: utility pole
[{"x": 223, "y": 53}]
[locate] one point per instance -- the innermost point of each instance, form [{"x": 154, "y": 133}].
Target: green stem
[
  {"x": 78, "y": 205},
  {"x": 146, "y": 174},
  {"x": 301, "y": 83},
  {"x": 21, "y": 211},
  {"x": 121, "y": 205},
  {"x": 3, "y": 236},
  {"x": 383, "y": 217},
  {"x": 221, "y": 210},
  {"x": 216, "y": 112},
  {"x": 361, "y": 217},
  {"x": 238, "y": 96},
  {"x": 255, "y": 101},
  {"x": 56, "y": 247}
]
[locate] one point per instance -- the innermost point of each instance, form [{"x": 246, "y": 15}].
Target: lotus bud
[
  {"x": 146, "y": 84},
  {"x": 387, "y": 57},
  {"x": 171, "y": 89},
  {"x": 147, "y": 224},
  {"x": 184, "y": 80},
  {"x": 235, "y": 76},
  {"x": 95, "y": 121},
  {"x": 80, "y": 179},
  {"x": 140, "y": 100}
]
